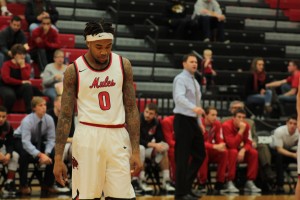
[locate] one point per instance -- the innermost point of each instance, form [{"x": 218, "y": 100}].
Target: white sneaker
[
  {"x": 168, "y": 187},
  {"x": 251, "y": 187},
  {"x": 145, "y": 187},
  {"x": 231, "y": 187},
  {"x": 62, "y": 189}
]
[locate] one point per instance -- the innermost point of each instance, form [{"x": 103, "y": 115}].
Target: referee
[{"x": 189, "y": 145}]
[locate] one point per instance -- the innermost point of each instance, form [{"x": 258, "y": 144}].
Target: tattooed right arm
[{"x": 66, "y": 113}]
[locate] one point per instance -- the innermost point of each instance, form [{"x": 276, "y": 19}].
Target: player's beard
[{"x": 98, "y": 62}]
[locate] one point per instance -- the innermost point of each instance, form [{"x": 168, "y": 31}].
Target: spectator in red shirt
[
  {"x": 44, "y": 42},
  {"x": 236, "y": 136},
  {"x": 216, "y": 150},
  {"x": 15, "y": 77},
  {"x": 290, "y": 84}
]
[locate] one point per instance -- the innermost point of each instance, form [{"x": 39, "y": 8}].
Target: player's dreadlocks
[{"x": 93, "y": 28}]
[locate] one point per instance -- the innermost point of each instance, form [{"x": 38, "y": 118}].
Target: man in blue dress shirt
[
  {"x": 189, "y": 146},
  {"x": 37, "y": 136}
]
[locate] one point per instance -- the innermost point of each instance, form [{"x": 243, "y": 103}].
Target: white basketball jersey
[{"x": 99, "y": 93}]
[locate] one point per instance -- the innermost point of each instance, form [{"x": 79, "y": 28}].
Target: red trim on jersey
[
  {"x": 122, "y": 68},
  {"x": 98, "y": 70},
  {"x": 104, "y": 125},
  {"x": 78, "y": 78}
]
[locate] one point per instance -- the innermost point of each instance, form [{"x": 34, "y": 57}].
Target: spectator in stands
[
  {"x": 37, "y": 133},
  {"x": 284, "y": 143},
  {"x": 216, "y": 151},
  {"x": 12, "y": 35},
  {"x": 15, "y": 76},
  {"x": 54, "y": 113},
  {"x": 290, "y": 84},
  {"x": 177, "y": 18},
  {"x": 36, "y": 10},
  {"x": 237, "y": 136},
  {"x": 4, "y": 10},
  {"x": 7, "y": 154},
  {"x": 53, "y": 75},
  {"x": 207, "y": 68},
  {"x": 43, "y": 43},
  {"x": 209, "y": 14},
  {"x": 257, "y": 93},
  {"x": 264, "y": 154},
  {"x": 151, "y": 137}
]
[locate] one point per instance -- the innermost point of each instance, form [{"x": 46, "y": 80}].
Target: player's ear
[{"x": 88, "y": 44}]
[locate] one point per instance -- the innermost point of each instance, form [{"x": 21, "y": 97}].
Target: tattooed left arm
[{"x": 132, "y": 118}]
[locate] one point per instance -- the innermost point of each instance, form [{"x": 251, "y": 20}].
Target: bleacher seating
[
  {"x": 74, "y": 53},
  {"x": 250, "y": 26},
  {"x": 67, "y": 40},
  {"x": 15, "y": 119},
  {"x": 16, "y": 8},
  {"x": 5, "y": 20}
]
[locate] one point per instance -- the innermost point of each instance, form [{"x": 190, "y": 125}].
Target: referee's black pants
[{"x": 189, "y": 152}]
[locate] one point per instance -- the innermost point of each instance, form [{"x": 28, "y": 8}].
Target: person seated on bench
[
  {"x": 37, "y": 134},
  {"x": 284, "y": 139},
  {"x": 151, "y": 137},
  {"x": 7, "y": 154}
]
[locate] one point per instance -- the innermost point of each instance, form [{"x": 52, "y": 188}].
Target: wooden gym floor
[{"x": 229, "y": 197}]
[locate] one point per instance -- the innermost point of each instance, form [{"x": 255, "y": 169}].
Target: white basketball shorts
[{"x": 100, "y": 163}]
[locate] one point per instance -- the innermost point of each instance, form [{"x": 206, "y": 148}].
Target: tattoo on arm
[
  {"x": 131, "y": 111},
  {"x": 67, "y": 107}
]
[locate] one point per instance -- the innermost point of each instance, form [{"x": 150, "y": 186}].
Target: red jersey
[
  {"x": 213, "y": 134},
  {"x": 234, "y": 140},
  {"x": 293, "y": 80}
]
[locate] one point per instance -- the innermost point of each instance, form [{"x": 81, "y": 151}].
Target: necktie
[
  {"x": 196, "y": 92},
  {"x": 197, "y": 98},
  {"x": 39, "y": 135}
]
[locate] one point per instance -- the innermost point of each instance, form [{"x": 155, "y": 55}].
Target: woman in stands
[
  {"x": 257, "y": 94},
  {"x": 53, "y": 75}
]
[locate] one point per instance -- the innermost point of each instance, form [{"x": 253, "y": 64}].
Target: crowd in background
[{"x": 228, "y": 141}]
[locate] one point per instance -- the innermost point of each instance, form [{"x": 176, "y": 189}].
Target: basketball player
[
  {"x": 297, "y": 190},
  {"x": 103, "y": 152}
]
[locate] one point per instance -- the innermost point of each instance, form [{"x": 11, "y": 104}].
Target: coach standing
[{"x": 189, "y": 145}]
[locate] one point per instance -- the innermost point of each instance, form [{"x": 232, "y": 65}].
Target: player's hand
[
  {"x": 44, "y": 159},
  {"x": 159, "y": 147},
  {"x": 220, "y": 147},
  {"x": 26, "y": 82},
  {"x": 241, "y": 155},
  {"x": 198, "y": 110},
  {"x": 38, "y": 40},
  {"x": 60, "y": 172},
  {"x": 242, "y": 126},
  {"x": 135, "y": 164}
]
